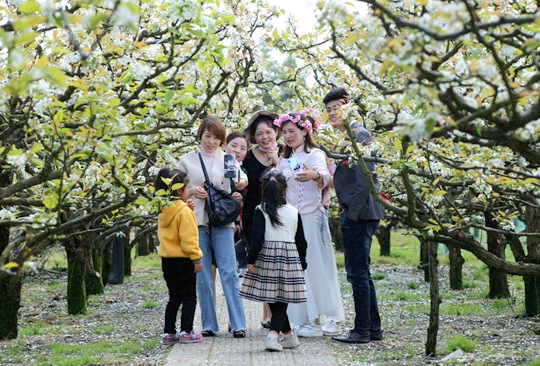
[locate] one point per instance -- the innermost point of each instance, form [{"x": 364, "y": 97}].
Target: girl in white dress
[
  {"x": 304, "y": 166},
  {"x": 276, "y": 260}
]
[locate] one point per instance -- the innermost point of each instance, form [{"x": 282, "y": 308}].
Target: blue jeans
[
  {"x": 220, "y": 239},
  {"x": 357, "y": 237}
]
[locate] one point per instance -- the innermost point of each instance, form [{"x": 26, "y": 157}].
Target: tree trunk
[
  {"x": 424, "y": 259},
  {"x": 152, "y": 242},
  {"x": 143, "y": 247},
  {"x": 456, "y": 268},
  {"x": 127, "y": 254},
  {"x": 435, "y": 300},
  {"x": 76, "y": 291},
  {"x": 498, "y": 281},
  {"x": 335, "y": 230},
  {"x": 116, "y": 275},
  {"x": 10, "y": 302},
  {"x": 383, "y": 236},
  {"x": 93, "y": 277},
  {"x": 106, "y": 260},
  {"x": 532, "y": 283}
]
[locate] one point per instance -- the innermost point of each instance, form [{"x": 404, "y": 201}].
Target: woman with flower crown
[{"x": 304, "y": 166}]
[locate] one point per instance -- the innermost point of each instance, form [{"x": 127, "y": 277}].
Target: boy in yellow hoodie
[{"x": 181, "y": 257}]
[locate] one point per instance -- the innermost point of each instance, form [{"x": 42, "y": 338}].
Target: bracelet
[{"x": 318, "y": 177}]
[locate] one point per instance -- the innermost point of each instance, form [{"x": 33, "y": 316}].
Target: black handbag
[{"x": 220, "y": 206}]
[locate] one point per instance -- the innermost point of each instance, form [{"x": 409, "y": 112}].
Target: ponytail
[{"x": 273, "y": 195}]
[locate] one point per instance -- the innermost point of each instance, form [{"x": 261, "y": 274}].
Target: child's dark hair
[
  {"x": 177, "y": 175},
  {"x": 273, "y": 185}
]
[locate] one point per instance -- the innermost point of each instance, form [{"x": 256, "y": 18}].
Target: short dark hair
[
  {"x": 215, "y": 126},
  {"x": 177, "y": 175},
  {"x": 336, "y": 94}
]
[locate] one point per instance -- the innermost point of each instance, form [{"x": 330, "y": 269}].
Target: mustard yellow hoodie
[{"x": 178, "y": 232}]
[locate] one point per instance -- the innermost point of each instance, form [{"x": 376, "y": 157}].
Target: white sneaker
[
  {"x": 272, "y": 344},
  {"x": 309, "y": 330},
  {"x": 290, "y": 341},
  {"x": 331, "y": 328}
]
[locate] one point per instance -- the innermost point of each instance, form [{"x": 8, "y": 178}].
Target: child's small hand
[
  {"x": 190, "y": 203},
  {"x": 250, "y": 268},
  {"x": 198, "y": 267}
]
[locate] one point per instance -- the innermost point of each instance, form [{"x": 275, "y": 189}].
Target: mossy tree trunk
[
  {"x": 383, "y": 235},
  {"x": 456, "y": 268},
  {"x": 532, "y": 283},
  {"x": 76, "y": 291},
  {"x": 93, "y": 276},
  {"x": 496, "y": 243},
  {"x": 435, "y": 300}
]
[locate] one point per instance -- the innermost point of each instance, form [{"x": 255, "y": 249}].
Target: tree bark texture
[
  {"x": 10, "y": 302},
  {"x": 93, "y": 281},
  {"x": 532, "y": 283},
  {"x": 435, "y": 300},
  {"x": 498, "y": 280},
  {"x": 456, "y": 268},
  {"x": 76, "y": 291},
  {"x": 383, "y": 235},
  {"x": 424, "y": 259},
  {"x": 143, "y": 247}
]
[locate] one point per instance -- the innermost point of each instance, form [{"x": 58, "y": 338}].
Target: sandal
[
  {"x": 208, "y": 333},
  {"x": 239, "y": 333},
  {"x": 266, "y": 325}
]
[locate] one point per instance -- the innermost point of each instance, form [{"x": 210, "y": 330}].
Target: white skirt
[{"x": 322, "y": 284}]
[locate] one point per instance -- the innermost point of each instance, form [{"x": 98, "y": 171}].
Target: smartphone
[
  {"x": 294, "y": 164},
  {"x": 230, "y": 166}
]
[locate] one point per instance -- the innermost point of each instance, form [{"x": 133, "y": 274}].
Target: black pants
[
  {"x": 280, "y": 320},
  {"x": 182, "y": 284}
]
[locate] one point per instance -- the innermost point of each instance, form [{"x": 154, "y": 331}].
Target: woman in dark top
[{"x": 264, "y": 134}]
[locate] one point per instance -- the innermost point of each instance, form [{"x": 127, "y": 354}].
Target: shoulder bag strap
[{"x": 204, "y": 169}]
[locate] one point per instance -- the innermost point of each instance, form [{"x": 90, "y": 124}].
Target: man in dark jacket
[{"x": 359, "y": 219}]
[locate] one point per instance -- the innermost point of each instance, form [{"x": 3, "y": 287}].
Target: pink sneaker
[
  {"x": 169, "y": 338},
  {"x": 185, "y": 337}
]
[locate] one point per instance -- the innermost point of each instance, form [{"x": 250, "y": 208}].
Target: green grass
[
  {"x": 147, "y": 261},
  {"x": 104, "y": 330},
  {"x": 413, "y": 285},
  {"x": 462, "y": 342},
  {"x": 535, "y": 362},
  {"x": 150, "y": 304},
  {"x": 102, "y": 352}
]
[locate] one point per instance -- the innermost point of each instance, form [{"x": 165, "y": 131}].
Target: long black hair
[
  {"x": 273, "y": 185},
  {"x": 177, "y": 175}
]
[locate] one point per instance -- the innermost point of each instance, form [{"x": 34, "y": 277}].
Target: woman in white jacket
[{"x": 220, "y": 239}]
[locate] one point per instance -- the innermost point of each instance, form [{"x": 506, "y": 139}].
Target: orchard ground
[{"x": 123, "y": 326}]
